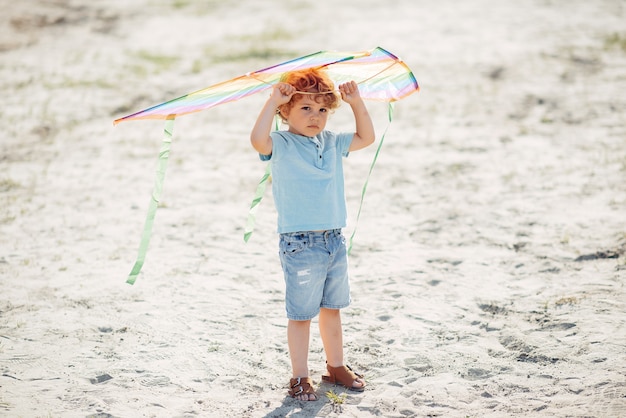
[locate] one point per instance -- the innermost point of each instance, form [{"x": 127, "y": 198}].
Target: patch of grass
[
  {"x": 144, "y": 62},
  {"x": 67, "y": 82},
  {"x": 138, "y": 70},
  {"x": 197, "y": 8},
  {"x": 8, "y": 184},
  {"x": 276, "y": 34},
  {"x": 615, "y": 40},
  {"x": 197, "y": 66},
  {"x": 569, "y": 300},
  {"x": 255, "y": 53},
  {"x": 266, "y": 46},
  {"x": 162, "y": 62},
  {"x": 336, "y": 400},
  {"x": 180, "y": 4}
]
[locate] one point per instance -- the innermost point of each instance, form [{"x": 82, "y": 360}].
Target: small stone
[{"x": 100, "y": 379}]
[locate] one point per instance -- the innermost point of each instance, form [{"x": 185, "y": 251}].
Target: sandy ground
[{"x": 488, "y": 268}]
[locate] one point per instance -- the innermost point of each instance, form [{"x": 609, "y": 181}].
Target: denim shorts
[{"x": 315, "y": 265}]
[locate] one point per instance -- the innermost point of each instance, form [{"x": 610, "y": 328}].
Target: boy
[{"x": 308, "y": 189}]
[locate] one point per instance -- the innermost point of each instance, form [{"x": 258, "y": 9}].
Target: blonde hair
[{"x": 311, "y": 80}]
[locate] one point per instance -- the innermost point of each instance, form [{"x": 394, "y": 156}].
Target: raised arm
[
  {"x": 260, "y": 135},
  {"x": 365, "y": 134}
]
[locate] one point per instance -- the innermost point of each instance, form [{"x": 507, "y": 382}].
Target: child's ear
[{"x": 283, "y": 113}]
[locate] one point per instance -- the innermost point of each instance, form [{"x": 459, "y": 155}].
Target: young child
[{"x": 308, "y": 189}]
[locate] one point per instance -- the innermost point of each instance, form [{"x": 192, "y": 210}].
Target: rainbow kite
[{"x": 380, "y": 75}]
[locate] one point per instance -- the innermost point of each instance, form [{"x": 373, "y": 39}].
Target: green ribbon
[
  {"x": 382, "y": 139},
  {"x": 157, "y": 190},
  {"x": 258, "y": 196}
]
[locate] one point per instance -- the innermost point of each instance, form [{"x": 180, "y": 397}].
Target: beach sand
[{"x": 488, "y": 266}]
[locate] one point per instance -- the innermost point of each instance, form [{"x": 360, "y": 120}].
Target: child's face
[{"x": 307, "y": 117}]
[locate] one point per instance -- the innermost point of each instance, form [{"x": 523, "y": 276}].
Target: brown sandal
[
  {"x": 302, "y": 386},
  {"x": 344, "y": 376}
]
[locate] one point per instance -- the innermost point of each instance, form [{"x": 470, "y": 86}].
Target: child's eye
[
  {"x": 323, "y": 110},
  {"x": 306, "y": 108}
]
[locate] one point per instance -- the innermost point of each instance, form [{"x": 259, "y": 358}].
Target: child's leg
[
  {"x": 332, "y": 339},
  {"x": 332, "y": 336},
  {"x": 298, "y": 341}
]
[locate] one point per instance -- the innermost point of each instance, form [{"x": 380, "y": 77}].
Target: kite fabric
[{"x": 380, "y": 75}]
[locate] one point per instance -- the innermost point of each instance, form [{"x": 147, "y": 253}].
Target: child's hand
[
  {"x": 349, "y": 92},
  {"x": 281, "y": 93}
]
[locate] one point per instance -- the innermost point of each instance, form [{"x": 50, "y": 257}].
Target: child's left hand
[{"x": 349, "y": 92}]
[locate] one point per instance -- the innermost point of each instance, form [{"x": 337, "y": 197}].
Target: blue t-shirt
[{"x": 307, "y": 180}]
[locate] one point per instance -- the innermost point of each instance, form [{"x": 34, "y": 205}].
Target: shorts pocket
[{"x": 292, "y": 244}]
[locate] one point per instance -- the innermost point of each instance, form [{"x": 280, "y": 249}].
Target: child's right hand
[{"x": 281, "y": 93}]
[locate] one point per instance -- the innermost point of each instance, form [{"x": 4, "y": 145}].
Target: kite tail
[
  {"x": 164, "y": 154},
  {"x": 382, "y": 139},
  {"x": 258, "y": 196}
]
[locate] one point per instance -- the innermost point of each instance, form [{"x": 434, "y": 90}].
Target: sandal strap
[
  {"x": 344, "y": 375},
  {"x": 354, "y": 373},
  {"x": 301, "y": 385}
]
